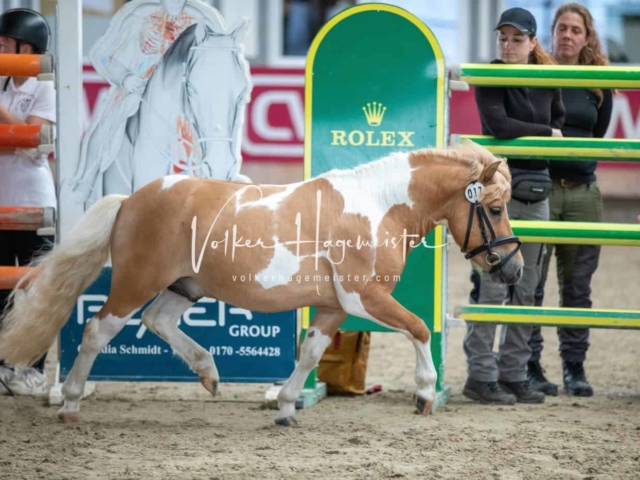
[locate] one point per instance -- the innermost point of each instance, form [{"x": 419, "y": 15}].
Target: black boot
[
  {"x": 575, "y": 382},
  {"x": 523, "y": 392},
  {"x": 537, "y": 380},
  {"x": 487, "y": 392}
]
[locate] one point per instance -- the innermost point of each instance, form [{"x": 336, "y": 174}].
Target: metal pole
[{"x": 69, "y": 106}]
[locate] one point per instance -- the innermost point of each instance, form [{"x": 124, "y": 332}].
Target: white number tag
[{"x": 473, "y": 191}]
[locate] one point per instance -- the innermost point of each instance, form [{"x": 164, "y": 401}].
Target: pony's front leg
[
  {"x": 380, "y": 306},
  {"x": 324, "y": 325},
  {"x": 98, "y": 332}
]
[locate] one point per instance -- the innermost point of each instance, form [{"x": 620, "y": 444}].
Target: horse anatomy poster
[
  {"x": 179, "y": 85},
  {"x": 176, "y": 105}
]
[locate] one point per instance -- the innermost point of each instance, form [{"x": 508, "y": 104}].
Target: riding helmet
[{"x": 26, "y": 26}]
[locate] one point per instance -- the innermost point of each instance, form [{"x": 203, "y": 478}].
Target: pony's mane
[
  {"x": 481, "y": 158},
  {"x": 477, "y": 158},
  {"x": 469, "y": 153},
  {"x": 363, "y": 169},
  {"x": 472, "y": 154}
]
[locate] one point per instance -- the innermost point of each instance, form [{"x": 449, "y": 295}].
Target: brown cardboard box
[{"x": 343, "y": 367}]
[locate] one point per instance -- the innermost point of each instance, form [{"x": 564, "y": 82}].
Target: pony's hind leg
[
  {"x": 161, "y": 317},
  {"x": 98, "y": 332},
  {"x": 324, "y": 325}
]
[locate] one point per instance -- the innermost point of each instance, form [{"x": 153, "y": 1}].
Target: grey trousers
[
  {"x": 576, "y": 265},
  {"x": 510, "y": 364}
]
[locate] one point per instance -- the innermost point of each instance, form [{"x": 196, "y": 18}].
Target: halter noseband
[{"x": 494, "y": 259}]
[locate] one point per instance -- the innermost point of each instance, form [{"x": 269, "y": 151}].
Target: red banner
[{"x": 274, "y": 125}]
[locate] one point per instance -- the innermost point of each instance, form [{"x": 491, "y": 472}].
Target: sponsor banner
[
  {"x": 373, "y": 98},
  {"x": 246, "y": 346}
]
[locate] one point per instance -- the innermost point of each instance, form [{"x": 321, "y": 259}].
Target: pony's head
[
  {"x": 476, "y": 211},
  {"x": 216, "y": 88}
]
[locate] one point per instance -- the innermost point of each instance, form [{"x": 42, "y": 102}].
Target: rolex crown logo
[{"x": 374, "y": 113}]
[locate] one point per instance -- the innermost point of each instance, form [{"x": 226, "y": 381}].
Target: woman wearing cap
[
  {"x": 25, "y": 179},
  {"x": 510, "y": 113},
  {"x": 575, "y": 195}
]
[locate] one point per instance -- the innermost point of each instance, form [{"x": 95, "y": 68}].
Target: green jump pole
[
  {"x": 552, "y": 148},
  {"x": 577, "y": 233},
  {"x": 551, "y": 316},
  {"x": 550, "y": 76}
]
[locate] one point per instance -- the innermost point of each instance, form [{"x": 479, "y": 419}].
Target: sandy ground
[{"x": 178, "y": 431}]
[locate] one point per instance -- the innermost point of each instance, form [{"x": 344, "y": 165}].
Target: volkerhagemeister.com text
[{"x": 279, "y": 278}]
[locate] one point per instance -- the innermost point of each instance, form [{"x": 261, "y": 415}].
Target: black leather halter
[{"x": 494, "y": 259}]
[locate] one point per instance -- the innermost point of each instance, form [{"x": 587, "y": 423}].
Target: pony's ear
[
  {"x": 201, "y": 32},
  {"x": 240, "y": 31},
  {"x": 490, "y": 171}
]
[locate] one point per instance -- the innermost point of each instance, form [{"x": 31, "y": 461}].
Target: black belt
[{"x": 564, "y": 183}]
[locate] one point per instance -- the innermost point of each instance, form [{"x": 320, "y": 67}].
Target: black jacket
[
  {"x": 583, "y": 119},
  {"x": 511, "y": 112}
]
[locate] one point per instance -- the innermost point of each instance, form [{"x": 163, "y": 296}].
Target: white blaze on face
[{"x": 170, "y": 180}]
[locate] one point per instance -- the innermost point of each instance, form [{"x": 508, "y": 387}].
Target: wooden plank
[
  {"x": 10, "y": 276},
  {"x": 20, "y": 136},
  {"x": 21, "y": 218},
  {"x": 25, "y": 65}
]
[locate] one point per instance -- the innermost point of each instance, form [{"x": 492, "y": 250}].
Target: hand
[
  {"x": 556, "y": 132},
  {"x": 34, "y": 155},
  {"x": 133, "y": 84}
]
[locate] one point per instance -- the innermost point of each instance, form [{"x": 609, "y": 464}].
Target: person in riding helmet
[{"x": 26, "y": 179}]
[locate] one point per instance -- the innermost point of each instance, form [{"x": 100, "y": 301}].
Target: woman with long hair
[
  {"x": 509, "y": 113},
  {"x": 575, "y": 197}
]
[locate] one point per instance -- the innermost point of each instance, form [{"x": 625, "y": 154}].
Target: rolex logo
[{"x": 374, "y": 113}]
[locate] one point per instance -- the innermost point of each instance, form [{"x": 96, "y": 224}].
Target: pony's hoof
[
  {"x": 209, "y": 385},
  {"x": 423, "y": 407},
  {"x": 70, "y": 418},
  {"x": 287, "y": 422}
]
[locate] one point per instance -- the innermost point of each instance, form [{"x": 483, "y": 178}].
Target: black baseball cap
[{"x": 520, "y": 19}]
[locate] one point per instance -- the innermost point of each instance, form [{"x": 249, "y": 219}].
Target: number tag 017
[{"x": 473, "y": 191}]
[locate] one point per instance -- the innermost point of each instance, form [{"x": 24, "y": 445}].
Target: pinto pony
[{"x": 182, "y": 238}]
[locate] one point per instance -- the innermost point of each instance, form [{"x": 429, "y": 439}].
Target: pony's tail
[{"x": 34, "y": 316}]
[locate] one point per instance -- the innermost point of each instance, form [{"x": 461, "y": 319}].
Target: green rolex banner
[{"x": 375, "y": 84}]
